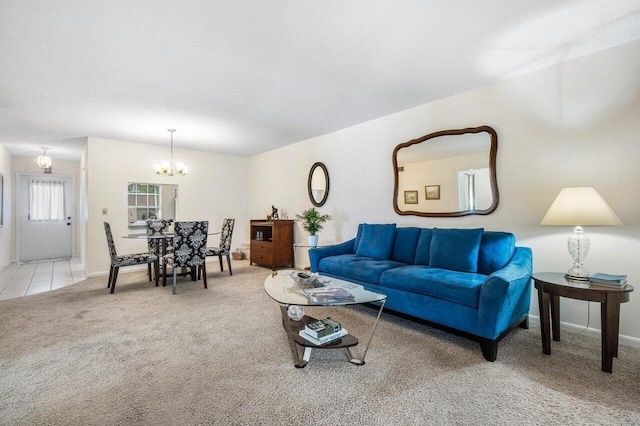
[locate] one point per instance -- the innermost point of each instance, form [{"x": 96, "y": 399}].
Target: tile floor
[{"x": 22, "y": 279}]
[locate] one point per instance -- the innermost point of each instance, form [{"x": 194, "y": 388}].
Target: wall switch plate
[{"x": 104, "y": 211}]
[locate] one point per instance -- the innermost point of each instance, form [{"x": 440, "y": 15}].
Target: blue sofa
[{"x": 473, "y": 282}]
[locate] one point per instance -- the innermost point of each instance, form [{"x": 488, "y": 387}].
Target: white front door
[{"x": 45, "y": 211}]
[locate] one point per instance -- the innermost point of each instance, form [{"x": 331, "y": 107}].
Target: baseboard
[
  {"x": 126, "y": 270},
  {"x": 589, "y": 331}
]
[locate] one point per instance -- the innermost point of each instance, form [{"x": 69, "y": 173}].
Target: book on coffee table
[
  {"x": 321, "y": 328},
  {"x": 323, "y": 340},
  {"x": 328, "y": 295}
]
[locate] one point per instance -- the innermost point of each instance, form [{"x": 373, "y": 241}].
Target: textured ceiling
[{"x": 244, "y": 77}]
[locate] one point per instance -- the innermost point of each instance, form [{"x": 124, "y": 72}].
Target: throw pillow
[
  {"x": 424, "y": 247},
  {"x": 404, "y": 245},
  {"x": 376, "y": 241},
  {"x": 496, "y": 249},
  {"x": 455, "y": 249}
]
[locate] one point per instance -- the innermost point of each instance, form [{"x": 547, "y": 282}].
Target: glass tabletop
[
  {"x": 147, "y": 236},
  {"x": 167, "y": 235},
  {"x": 282, "y": 288}
]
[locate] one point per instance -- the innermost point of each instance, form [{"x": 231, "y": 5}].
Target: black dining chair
[
  {"x": 118, "y": 262},
  {"x": 156, "y": 246},
  {"x": 225, "y": 244},
  {"x": 189, "y": 251}
]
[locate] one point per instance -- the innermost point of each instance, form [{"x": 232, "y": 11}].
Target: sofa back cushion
[
  {"x": 376, "y": 241},
  {"x": 404, "y": 245},
  {"x": 358, "y": 237},
  {"x": 423, "y": 249},
  {"x": 455, "y": 249},
  {"x": 496, "y": 249}
]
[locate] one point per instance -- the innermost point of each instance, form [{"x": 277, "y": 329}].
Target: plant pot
[{"x": 313, "y": 240}]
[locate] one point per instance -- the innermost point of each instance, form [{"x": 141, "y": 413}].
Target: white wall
[
  {"x": 215, "y": 188},
  {"x": 576, "y": 124},
  {"x": 6, "y": 231},
  {"x": 83, "y": 206}
]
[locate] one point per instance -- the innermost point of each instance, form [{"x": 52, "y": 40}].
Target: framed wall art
[
  {"x": 411, "y": 197},
  {"x": 432, "y": 192}
]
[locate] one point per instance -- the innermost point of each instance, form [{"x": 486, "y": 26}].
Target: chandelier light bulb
[
  {"x": 44, "y": 161},
  {"x": 170, "y": 168}
]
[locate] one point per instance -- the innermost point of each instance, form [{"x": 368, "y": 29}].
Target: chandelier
[
  {"x": 170, "y": 168},
  {"x": 44, "y": 161}
]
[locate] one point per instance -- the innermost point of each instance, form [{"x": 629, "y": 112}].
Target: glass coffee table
[{"x": 282, "y": 288}]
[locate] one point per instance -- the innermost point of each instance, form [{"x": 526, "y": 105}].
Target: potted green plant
[{"x": 312, "y": 222}]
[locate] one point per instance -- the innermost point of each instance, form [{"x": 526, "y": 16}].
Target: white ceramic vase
[{"x": 313, "y": 240}]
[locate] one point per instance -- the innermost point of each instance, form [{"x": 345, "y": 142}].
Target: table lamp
[{"x": 579, "y": 206}]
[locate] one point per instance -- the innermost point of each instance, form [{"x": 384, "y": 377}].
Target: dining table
[{"x": 164, "y": 237}]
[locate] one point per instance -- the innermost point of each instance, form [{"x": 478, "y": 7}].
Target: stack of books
[
  {"x": 323, "y": 331},
  {"x": 608, "y": 280},
  {"x": 329, "y": 295}
]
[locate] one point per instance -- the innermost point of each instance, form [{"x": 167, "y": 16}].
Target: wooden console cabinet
[{"x": 276, "y": 246}]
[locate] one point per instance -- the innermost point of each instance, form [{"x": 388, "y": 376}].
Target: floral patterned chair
[
  {"x": 189, "y": 250},
  {"x": 225, "y": 244},
  {"x": 126, "y": 260},
  {"x": 156, "y": 246}
]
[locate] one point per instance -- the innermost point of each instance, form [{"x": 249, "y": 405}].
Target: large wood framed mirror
[
  {"x": 318, "y": 184},
  {"x": 447, "y": 174}
]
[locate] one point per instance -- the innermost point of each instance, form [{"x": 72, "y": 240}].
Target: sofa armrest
[
  {"x": 317, "y": 254},
  {"x": 506, "y": 294}
]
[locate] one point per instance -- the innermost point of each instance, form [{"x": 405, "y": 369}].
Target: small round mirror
[{"x": 318, "y": 184}]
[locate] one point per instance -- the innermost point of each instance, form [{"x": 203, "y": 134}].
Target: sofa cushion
[
  {"x": 376, "y": 241},
  {"x": 455, "y": 249},
  {"x": 496, "y": 249},
  {"x": 351, "y": 266},
  {"x": 404, "y": 244},
  {"x": 358, "y": 237},
  {"x": 424, "y": 247},
  {"x": 458, "y": 287}
]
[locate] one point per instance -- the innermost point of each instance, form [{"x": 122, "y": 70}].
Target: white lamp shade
[
  {"x": 580, "y": 206},
  {"x": 44, "y": 161}
]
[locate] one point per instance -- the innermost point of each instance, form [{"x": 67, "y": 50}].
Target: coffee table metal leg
[
  {"x": 349, "y": 354},
  {"x": 299, "y": 363},
  {"x": 360, "y": 361},
  {"x": 307, "y": 355}
]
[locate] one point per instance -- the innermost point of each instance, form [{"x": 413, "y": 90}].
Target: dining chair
[
  {"x": 225, "y": 244},
  {"x": 126, "y": 260},
  {"x": 158, "y": 227},
  {"x": 189, "y": 251}
]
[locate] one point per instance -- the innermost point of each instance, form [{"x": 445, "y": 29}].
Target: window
[
  {"x": 150, "y": 201},
  {"x": 46, "y": 200},
  {"x": 143, "y": 202}
]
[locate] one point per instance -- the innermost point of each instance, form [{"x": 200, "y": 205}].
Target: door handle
[{"x": 69, "y": 223}]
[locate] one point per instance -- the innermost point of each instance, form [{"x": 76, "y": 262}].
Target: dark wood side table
[{"x": 552, "y": 285}]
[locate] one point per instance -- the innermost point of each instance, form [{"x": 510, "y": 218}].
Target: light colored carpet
[{"x": 80, "y": 355}]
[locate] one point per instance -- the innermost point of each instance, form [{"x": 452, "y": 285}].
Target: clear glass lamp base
[{"x": 578, "y": 245}]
